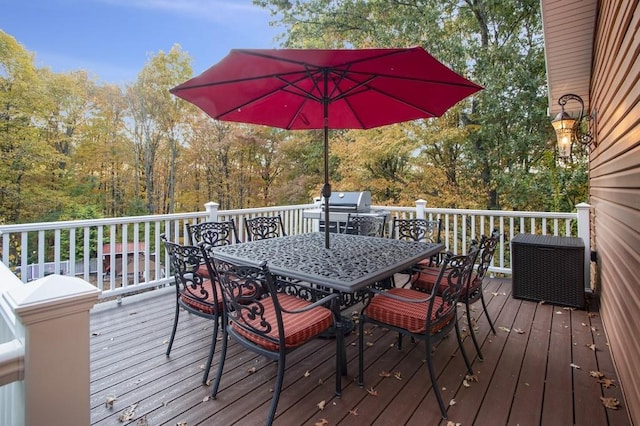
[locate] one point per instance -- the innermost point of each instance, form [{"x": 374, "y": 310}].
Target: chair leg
[
  {"x": 175, "y": 327},
  {"x": 472, "y": 331},
  {"x": 462, "y": 349},
  {"x": 434, "y": 381},
  {"x": 361, "y": 351},
  {"x": 276, "y": 390},
  {"x": 223, "y": 356},
  {"x": 484, "y": 307},
  {"x": 207, "y": 366}
]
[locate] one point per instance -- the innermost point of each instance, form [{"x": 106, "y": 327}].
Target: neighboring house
[
  {"x": 119, "y": 251},
  {"x": 592, "y": 50}
]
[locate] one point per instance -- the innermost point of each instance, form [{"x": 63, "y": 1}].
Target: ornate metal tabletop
[{"x": 352, "y": 262}]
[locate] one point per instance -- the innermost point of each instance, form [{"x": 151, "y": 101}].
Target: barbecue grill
[{"x": 341, "y": 204}]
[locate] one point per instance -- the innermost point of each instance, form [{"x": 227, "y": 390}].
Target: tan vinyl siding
[{"x": 615, "y": 186}]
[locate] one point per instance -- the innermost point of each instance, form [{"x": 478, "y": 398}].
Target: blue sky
[{"x": 112, "y": 39}]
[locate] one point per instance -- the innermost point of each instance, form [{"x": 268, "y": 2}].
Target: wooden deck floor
[{"x": 536, "y": 371}]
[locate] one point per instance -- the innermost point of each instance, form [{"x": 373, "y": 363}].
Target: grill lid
[{"x": 356, "y": 201}]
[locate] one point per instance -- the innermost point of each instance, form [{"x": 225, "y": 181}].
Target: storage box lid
[{"x": 548, "y": 240}]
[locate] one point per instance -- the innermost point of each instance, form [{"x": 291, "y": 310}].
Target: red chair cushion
[
  {"x": 298, "y": 328},
  {"x": 203, "y": 270},
  {"x": 191, "y": 297},
  {"x": 411, "y": 316},
  {"x": 427, "y": 277}
]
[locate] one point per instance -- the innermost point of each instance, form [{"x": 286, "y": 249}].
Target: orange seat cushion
[
  {"x": 195, "y": 297},
  {"x": 298, "y": 328},
  {"x": 203, "y": 270},
  {"x": 411, "y": 316},
  {"x": 427, "y": 277}
]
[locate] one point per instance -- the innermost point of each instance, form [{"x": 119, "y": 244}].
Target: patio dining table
[{"x": 352, "y": 263}]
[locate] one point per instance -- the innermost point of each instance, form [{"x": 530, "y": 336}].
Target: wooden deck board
[{"x": 525, "y": 379}]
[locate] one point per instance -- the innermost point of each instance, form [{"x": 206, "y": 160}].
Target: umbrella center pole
[{"x": 326, "y": 188}]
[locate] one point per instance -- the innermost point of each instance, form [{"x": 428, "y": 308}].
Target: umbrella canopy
[{"x": 326, "y": 89}]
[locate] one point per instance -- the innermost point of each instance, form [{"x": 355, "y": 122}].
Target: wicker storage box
[{"x": 548, "y": 268}]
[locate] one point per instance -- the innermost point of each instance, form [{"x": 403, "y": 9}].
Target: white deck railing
[{"x": 92, "y": 249}]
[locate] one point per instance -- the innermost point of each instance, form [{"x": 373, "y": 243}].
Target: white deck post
[
  {"x": 421, "y": 205},
  {"x": 53, "y": 325},
  {"x": 212, "y": 211},
  {"x": 584, "y": 232}
]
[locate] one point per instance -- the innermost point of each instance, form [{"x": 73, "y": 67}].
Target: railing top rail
[
  {"x": 67, "y": 224},
  {"x": 496, "y": 213}
]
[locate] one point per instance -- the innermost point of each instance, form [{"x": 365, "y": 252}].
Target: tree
[
  {"x": 155, "y": 130},
  {"x": 498, "y": 135}
]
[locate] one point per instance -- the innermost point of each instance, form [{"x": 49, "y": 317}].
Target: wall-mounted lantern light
[{"x": 568, "y": 129}]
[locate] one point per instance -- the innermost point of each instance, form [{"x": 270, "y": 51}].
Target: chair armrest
[
  {"x": 400, "y": 298},
  {"x": 320, "y": 302}
]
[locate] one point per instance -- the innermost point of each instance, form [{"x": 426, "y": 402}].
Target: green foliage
[{"x": 72, "y": 148}]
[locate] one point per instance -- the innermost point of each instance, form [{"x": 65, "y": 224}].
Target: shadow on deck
[{"x": 537, "y": 370}]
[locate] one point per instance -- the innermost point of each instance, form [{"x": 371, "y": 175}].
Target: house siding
[{"x": 614, "y": 179}]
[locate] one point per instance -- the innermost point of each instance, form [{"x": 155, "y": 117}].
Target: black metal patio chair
[
  {"x": 263, "y": 227},
  {"x": 195, "y": 291},
  {"x": 424, "y": 280},
  {"x": 428, "y": 318},
  {"x": 270, "y": 317},
  {"x": 212, "y": 234},
  {"x": 427, "y": 231},
  {"x": 372, "y": 226}
]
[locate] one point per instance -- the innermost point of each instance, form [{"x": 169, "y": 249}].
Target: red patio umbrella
[{"x": 326, "y": 89}]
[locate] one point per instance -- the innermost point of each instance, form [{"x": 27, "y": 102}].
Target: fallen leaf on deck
[
  {"x": 569, "y": 309},
  {"x": 583, "y": 324},
  {"x": 181, "y": 424},
  {"x": 572, "y": 365},
  {"x": 607, "y": 383},
  {"x": 452, "y": 402},
  {"x": 592, "y": 346},
  {"x": 322, "y": 422},
  {"x": 518, "y": 330},
  {"x": 596, "y": 374},
  {"x": 495, "y": 293},
  {"x": 372, "y": 392},
  {"x": 320, "y": 381},
  {"x": 201, "y": 366},
  {"x": 110, "y": 400},
  {"x": 369, "y": 344},
  {"x": 208, "y": 382},
  {"x": 95, "y": 333},
  {"x": 206, "y": 398},
  {"x": 128, "y": 414},
  {"x": 251, "y": 370},
  {"x": 558, "y": 312},
  {"x": 450, "y": 423},
  {"x": 592, "y": 315},
  {"x": 384, "y": 374},
  {"x": 307, "y": 374},
  {"x": 466, "y": 384},
  {"x": 321, "y": 404},
  {"x": 471, "y": 378},
  {"x": 542, "y": 302},
  {"x": 142, "y": 421},
  {"x": 594, "y": 329},
  {"x": 354, "y": 412},
  {"x": 397, "y": 375},
  {"x": 505, "y": 329},
  {"x": 165, "y": 342},
  {"x": 610, "y": 402}
]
